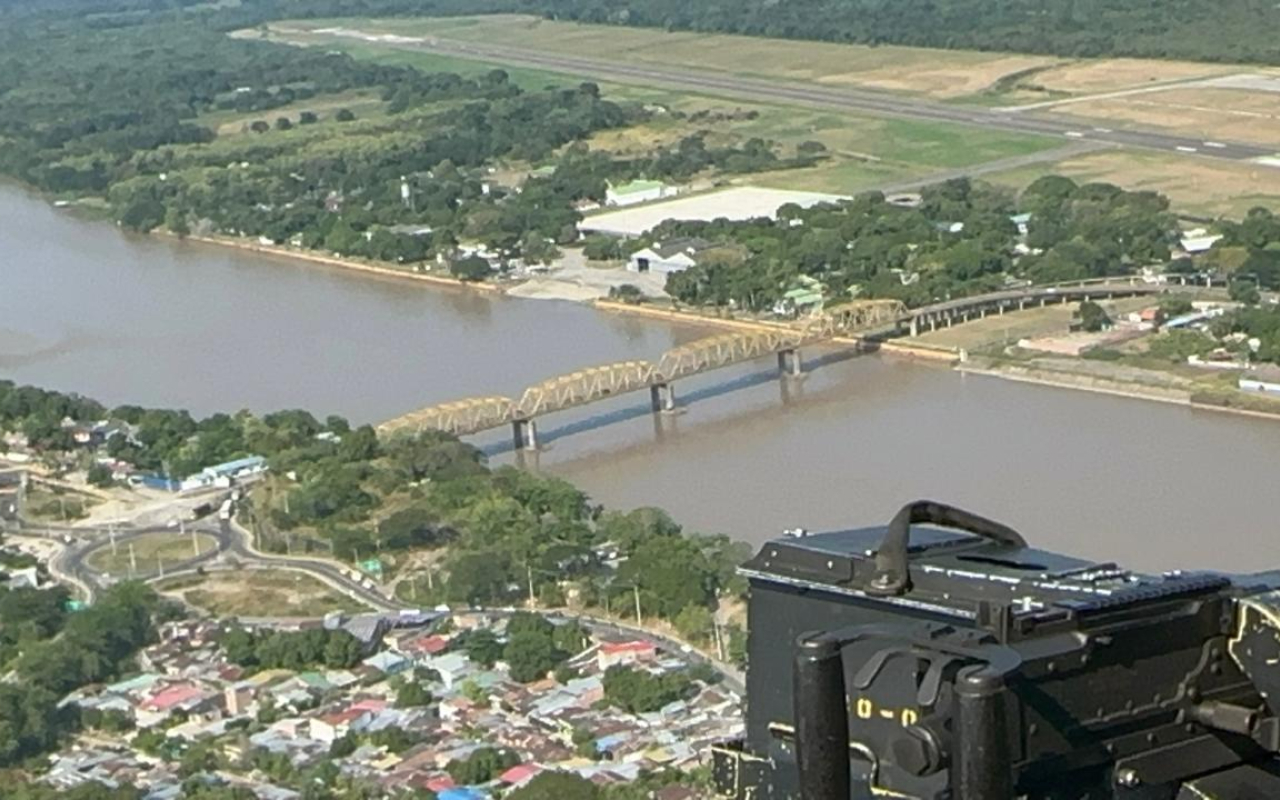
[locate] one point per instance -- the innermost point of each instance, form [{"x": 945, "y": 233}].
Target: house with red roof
[
  {"x": 519, "y": 774},
  {"x": 633, "y": 652},
  {"x": 175, "y": 697},
  {"x": 432, "y": 645}
]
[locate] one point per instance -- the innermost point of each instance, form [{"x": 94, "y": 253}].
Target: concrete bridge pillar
[
  {"x": 915, "y": 326},
  {"x": 524, "y": 433},
  {"x": 662, "y": 396},
  {"x": 789, "y": 363}
]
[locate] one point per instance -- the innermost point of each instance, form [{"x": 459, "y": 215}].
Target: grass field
[
  {"x": 1228, "y": 114},
  {"x": 934, "y": 73},
  {"x": 150, "y": 551},
  {"x": 262, "y": 594},
  {"x": 1008, "y": 328},
  {"x": 1197, "y": 187},
  {"x": 941, "y": 74},
  {"x": 868, "y": 152},
  {"x": 365, "y": 105},
  {"x": 865, "y": 151}
]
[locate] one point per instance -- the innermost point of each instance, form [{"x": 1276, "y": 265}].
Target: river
[{"x": 161, "y": 322}]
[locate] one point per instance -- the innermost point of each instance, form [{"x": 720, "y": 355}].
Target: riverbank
[
  {"x": 356, "y": 265},
  {"x": 1174, "y": 392}
]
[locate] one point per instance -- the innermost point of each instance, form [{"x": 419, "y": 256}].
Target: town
[{"x": 433, "y": 709}]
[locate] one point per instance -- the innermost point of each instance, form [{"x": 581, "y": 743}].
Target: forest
[
  {"x": 1200, "y": 30},
  {"x": 47, "y": 650}
]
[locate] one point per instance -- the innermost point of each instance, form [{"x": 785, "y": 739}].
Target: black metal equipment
[{"x": 954, "y": 662}]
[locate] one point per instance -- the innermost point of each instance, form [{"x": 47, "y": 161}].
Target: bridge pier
[
  {"x": 789, "y": 363},
  {"x": 915, "y": 326},
  {"x": 662, "y": 396},
  {"x": 524, "y": 432}
]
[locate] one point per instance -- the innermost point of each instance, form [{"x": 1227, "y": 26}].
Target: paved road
[{"x": 857, "y": 100}]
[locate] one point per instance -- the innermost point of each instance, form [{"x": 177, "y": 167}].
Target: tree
[
  {"x": 470, "y": 268},
  {"x": 1092, "y": 316},
  {"x": 259, "y": 126},
  {"x": 175, "y": 219},
  {"x": 482, "y": 646},
  {"x": 308, "y": 118},
  {"x": 627, "y": 293},
  {"x": 641, "y": 692},
  {"x": 694, "y": 623},
  {"x": 343, "y": 746},
  {"x": 99, "y": 475},
  {"x": 284, "y": 124},
  {"x": 1245, "y": 292},
  {"x": 413, "y": 694},
  {"x": 556, "y": 786},
  {"x": 530, "y": 656},
  {"x": 481, "y": 766},
  {"x": 344, "y": 115}
]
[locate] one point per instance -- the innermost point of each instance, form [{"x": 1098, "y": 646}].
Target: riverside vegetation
[{"x": 488, "y": 537}]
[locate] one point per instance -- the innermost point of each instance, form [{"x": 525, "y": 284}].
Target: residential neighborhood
[{"x": 188, "y": 697}]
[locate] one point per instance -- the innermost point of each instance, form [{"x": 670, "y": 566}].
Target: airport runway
[{"x": 855, "y": 100}]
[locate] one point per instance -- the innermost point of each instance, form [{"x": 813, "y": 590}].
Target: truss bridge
[{"x": 593, "y": 384}]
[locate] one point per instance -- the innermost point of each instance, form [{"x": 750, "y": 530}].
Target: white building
[
  {"x": 629, "y": 194},
  {"x": 676, "y": 255}
]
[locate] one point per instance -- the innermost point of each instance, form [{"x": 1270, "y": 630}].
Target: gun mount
[{"x": 954, "y": 662}]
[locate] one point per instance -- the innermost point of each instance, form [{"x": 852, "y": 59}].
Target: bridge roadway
[
  {"x": 966, "y": 308},
  {"x": 865, "y": 321},
  {"x": 597, "y": 383}
]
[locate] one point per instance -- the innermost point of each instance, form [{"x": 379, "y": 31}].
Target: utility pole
[
  {"x": 111, "y": 532},
  {"x": 133, "y": 561},
  {"x": 635, "y": 588},
  {"x": 715, "y": 627},
  {"x": 159, "y": 564},
  {"x": 195, "y": 544},
  {"x": 529, "y": 569}
]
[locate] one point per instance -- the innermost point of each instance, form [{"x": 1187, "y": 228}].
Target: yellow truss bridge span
[{"x": 585, "y": 386}]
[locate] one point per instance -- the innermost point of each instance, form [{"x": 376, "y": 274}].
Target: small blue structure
[
  {"x": 462, "y": 793},
  {"x": 154, "y": 482}
]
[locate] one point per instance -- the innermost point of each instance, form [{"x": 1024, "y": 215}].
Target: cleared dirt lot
[
  {"x": 261, "y": 594},
  {"x": 1112, "y": 74},
  {"x": 1196, "y": 186}
]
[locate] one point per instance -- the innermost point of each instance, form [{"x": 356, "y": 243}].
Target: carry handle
[{"x": 892, "y": 577}]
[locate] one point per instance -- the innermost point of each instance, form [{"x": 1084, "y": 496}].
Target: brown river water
[{"x": 160, "y": 322}]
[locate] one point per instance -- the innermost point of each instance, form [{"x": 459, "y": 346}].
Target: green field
[
  {"x": 150, "y": 552},
  {"x": 865, "y": 151}
]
